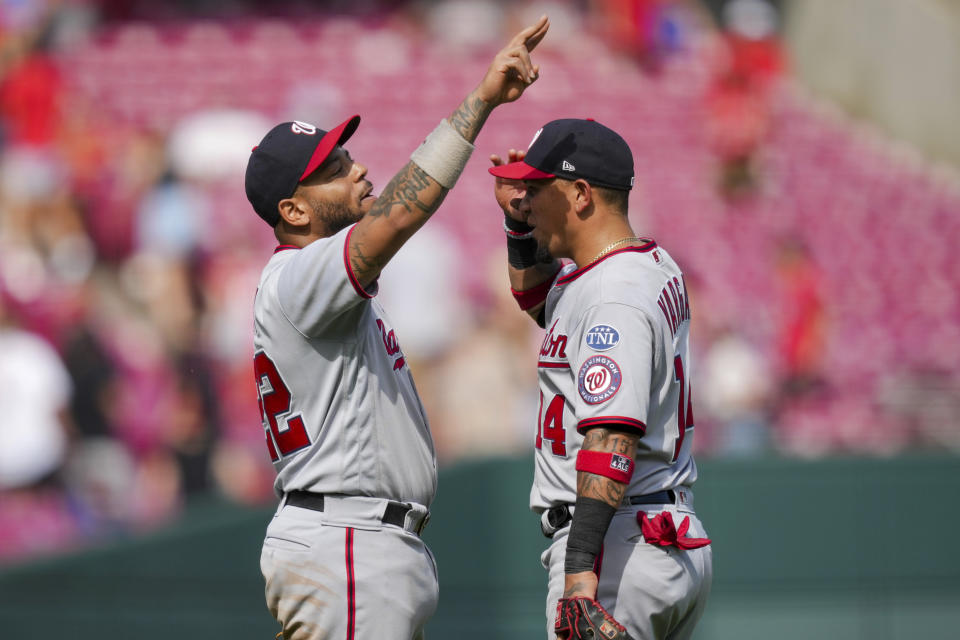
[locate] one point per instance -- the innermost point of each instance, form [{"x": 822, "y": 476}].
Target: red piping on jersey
[
  {"x": 573, "y": 275},
  {"x": 618, "y": 422},
  {"x": 351, "y": 587},
  {"x": 553, "y": 365},
  {"x": 346, "y": 263},
  {"x": 285, "y": 247}
]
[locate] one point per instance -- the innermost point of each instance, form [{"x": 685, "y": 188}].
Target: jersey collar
[
  {"x": 649, "y": 245},
  {"x": 285, "y": 247}
]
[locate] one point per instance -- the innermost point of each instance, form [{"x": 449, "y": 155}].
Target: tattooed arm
[
  {"x": 407, "y": 202},
  {"x": 412, "y": 196},
  {"x": 602, "y": 488}
]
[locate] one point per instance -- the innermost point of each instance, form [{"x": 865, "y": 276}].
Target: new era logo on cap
[{"x": 575, "y": 149}]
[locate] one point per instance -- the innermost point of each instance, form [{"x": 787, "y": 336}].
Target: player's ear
[
  {"x": 583, "y": 195},
  {"x": 293, "y": 211}
]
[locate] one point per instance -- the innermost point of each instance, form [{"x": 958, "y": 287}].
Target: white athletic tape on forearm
[{"x": 443, "y": 155}]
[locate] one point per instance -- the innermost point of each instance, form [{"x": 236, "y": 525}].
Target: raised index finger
[{"x": 532, "y": 35}]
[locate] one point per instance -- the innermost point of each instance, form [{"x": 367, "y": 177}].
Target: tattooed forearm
[
  {"x": 470, "y": 116},
  {"x": 408, "y": 189},
  {"x": 363, "y": 266},
  {"x": 591, "y": 485}
]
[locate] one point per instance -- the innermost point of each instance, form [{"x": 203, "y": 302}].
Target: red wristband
[
  {"x": 610, "y": 465},
  {"x": 530, "y": 298}
]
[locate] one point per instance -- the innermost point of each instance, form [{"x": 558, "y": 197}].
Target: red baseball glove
[{"x": 584, "y": 619}]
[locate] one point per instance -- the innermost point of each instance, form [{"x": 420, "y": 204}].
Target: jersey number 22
[{"x": 274, "y": 400}]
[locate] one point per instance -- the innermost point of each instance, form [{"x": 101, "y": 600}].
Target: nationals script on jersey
[
  {"x": 616, "y": 354},
  {"x": 350, "y": 421}
]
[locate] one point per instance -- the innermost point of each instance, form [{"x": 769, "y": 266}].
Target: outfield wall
[{"x": 851, "y": 549}]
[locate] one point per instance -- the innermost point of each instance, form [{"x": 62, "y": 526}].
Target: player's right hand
[
  {"x": 508, "y": 192},
  {"x": 512, "y": 71},
  {"x": 585, "y": 619}
]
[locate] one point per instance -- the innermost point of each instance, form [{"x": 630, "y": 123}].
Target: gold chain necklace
[{"x": 610, "y": 246}]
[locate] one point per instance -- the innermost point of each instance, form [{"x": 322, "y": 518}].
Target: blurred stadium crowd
[{"x": 821, "y": 257}]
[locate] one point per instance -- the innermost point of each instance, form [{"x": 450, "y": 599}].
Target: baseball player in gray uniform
[
  {"x": 614, "y": 469},
  {"x": 356, "y": 470}
]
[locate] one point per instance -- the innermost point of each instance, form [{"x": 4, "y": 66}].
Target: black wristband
[
  {"x": 522, "y": 254},
  {"x": 521, "y": 247},
  {"x": 591, "y": 519},
  {"x": 513, "y": 225}
]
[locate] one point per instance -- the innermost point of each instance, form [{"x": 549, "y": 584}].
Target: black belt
[
  {"x": 660, "y": 497},
  {"x": 395, "y": 513},
  {"x": 556, "y": 518}
]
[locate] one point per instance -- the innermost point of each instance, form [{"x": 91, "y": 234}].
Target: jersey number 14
[
  {"x": 550, "y": 422},
  {"x": 684, "y": 405}
]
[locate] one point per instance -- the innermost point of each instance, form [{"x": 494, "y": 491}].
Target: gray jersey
[
  {"x": 616, "y": 354},
  {"x": 340, "y": 410}
]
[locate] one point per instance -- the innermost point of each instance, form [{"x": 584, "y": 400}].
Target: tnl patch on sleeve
[
  {"x": 599, "y": 379},
  {"x": 601, "y": 337}
]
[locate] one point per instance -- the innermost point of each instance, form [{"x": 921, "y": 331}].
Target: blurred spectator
[
  {"x": 751, "y": 30},
  {"x": 178, "y": 379},
  {"x": 94, "y": 377},
  {"x": 35, "y": 515},
  {"x": 131, "y": 162},
  {"x": 481, "y": 395},
  {"x": 646, "y": 30},
  {"x": 30, "y": 92},
  {"x": 171, "y": 218},
  {"x": 193, "y": 424},
  {"x": 738, "y": 104},
  {"x": 44, "y": 245},
  {"x": 101, "y": 480},
  {"x": 35, "y": 390},
  {"x": 801, "y": 341},
  {"x": 736, "y": 387}
]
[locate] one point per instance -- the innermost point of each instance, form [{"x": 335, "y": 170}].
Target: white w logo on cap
[{"x": 303, "y": 127}]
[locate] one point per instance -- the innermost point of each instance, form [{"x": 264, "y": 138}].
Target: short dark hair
[{"x": 615, "y": 198}]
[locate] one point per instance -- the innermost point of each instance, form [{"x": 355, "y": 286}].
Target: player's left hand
[
  {"x": 509, "y": 192},
  {"x": 512, "y": 71}
]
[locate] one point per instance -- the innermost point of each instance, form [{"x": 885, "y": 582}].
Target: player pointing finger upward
[{"x": 344, "y": 425}]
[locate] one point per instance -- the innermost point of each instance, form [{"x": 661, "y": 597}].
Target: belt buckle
[{"x": 423, "y": 524}]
